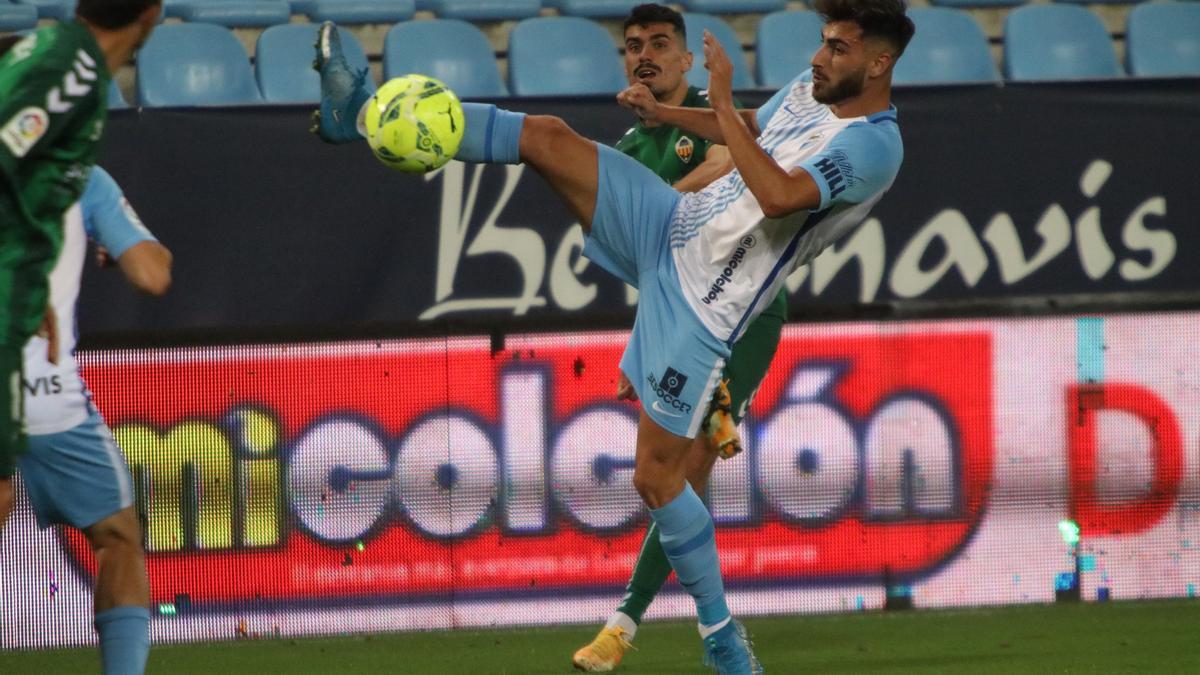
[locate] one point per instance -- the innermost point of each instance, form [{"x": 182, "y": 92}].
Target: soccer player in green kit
[
  {"x": 656, "y": 55},
  {"x": 53, "y": 107}
]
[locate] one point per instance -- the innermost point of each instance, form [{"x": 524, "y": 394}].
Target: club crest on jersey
[
  {"x": 24, "y": 130},
  {"x": 684, "y": 149}
]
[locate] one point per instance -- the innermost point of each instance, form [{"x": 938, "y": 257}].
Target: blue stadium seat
[
  {"x": 972, "y": 4},
  {"x": 563, "y": 55},
  {"x": 256, "y": 13},
  {"x": 451, "y": 50},
  {"x": 1057, "y": 42},
  {"x": 116, "y": 100},
  {"x": 1163, "y": 39},
  {"x": 594, "y": 9},
  {"x": 59, "y": 10},
  {"x": 191, "y": 64},
  {"x": 283, "y": 62},
  {"x": 486, "y": 10},
  {"x": 17, "y": 17},
  {"x": 696, "y": 25},
  {"x": 786, "y": 44},
  {"x": 947, "y": 47},
  {"x": 733, "y": 6},
  {"x": 355, "y": 11}
]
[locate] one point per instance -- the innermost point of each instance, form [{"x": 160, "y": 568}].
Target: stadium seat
[
  {"x": 486, "y": 10},
  {"x": 696, "y": 25},
  {"x": 1163, "y": 39},
  {"x": 562, "y": 55},
  {"x": 59, "y": 10},
  {"x": 355, "y": 11},
  {"x": 190, "y": 64},
  {"x": 947, "y": 47},
  {"x": 1057, "y": 42},
  {"x": 975, "y": 4},
  {"x": 116, "y": 100},
  {"x": 17, "y": 17},
  {"x": 733, "y": 6},
  {"x": 786, "y": 44},
  {"x": 453, "y": 51},
  {"x": 594, "y": 9},
  {"x": 283, "y": 62},
  {"x": 245, "y": 13}
]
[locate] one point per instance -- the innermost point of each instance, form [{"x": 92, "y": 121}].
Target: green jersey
[
  {"x": 52, "y": 112},
  {"x": 668, "y": 151}
]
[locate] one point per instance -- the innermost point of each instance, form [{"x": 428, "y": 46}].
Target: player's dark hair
[
  {"x": 644, "y": 15},
  {"x": 113, "y": 14},
  {"x": 8, "y": 41},
  {"x": 884, "y": 19}
]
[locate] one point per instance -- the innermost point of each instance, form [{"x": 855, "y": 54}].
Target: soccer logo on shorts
[
  {"x": 672, "y": 381},
  {"x": 684, "y": 149}
]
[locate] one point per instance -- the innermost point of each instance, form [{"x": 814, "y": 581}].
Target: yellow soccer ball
[{"x": 414, "y": 123}]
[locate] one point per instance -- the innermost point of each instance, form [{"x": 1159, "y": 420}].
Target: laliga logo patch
[
  {"x": 684, "y": 148},
  {"x": 24, "y": 130}
]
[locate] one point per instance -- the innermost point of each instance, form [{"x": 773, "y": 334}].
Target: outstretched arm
[
  {"x": 699, "y": 121},
  {"x": 778, "y": 191}
]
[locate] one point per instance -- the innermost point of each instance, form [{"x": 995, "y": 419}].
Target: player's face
[
  {"x": 657, "y": 56},
  {"x": 840, "y": 65}
]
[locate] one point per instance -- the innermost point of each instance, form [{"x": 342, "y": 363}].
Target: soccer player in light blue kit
[
  {"x": 73, "y": 470},
  {"x": 809, "y": 165}
]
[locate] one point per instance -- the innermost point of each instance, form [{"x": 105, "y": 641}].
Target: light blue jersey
[
  {"x": 708, "y": 262},
  {"x": 731, "y": 259},
  {"x": 55, "y": 396}
]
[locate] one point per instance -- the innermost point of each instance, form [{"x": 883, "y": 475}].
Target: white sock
[
  {"x": 622, "y": 621},
  {"x": 705, "y": 631}
]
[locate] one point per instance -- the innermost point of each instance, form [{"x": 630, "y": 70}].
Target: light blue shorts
[
  {"x": 76, "y": 477},
  {"x": 672, "y": 360}
]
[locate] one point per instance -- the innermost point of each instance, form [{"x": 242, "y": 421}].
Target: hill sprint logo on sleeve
[{"x": 24, "y": 130}]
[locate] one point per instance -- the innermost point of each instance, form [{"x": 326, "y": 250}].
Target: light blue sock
[
  {"x": 492, "y": 135},
  {"x": 124, "y": 639},
  {"x": 685, "y": 529}
]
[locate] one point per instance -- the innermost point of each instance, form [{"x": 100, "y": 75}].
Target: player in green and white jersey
[
  {"x": 53, "y": 92},
  {"x": 656, "y": 55}
]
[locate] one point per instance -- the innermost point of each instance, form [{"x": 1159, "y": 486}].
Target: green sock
[{"x": 649, "y": 574}]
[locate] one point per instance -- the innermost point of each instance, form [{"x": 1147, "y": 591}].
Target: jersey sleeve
[
  {"x": 37, "y": 101},
  {"x": 767, "y": 110},
  {"x": 108, "y": 217},
  {"x": 859, "y": 162}
]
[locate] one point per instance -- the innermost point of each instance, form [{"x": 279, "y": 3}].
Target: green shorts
[
  {"x": 12, "y": 410},
  {"x": 752, "y": 354}
]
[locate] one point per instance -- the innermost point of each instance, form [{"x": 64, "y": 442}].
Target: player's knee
[
  {"x": 119, "y": 534},
  {"x": 652, "y": 483},
  {"x": 544, "y": 133}
]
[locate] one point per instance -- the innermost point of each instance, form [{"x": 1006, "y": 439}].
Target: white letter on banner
[
  {"x": 1094, "y": 252},
  {"x": 1055, "y": 229},
  {"x": 328, "y": 498},
  {"x": 591, "y": 469},
  {"x": 808, "y": 451},
  {"x": 565, "y": 288},
  {"x": 523, "y": 245},
  {"x": 445, "y": 475},
  {"x": 523, "y": 418},
  {"x": 910, "y": 461},
  {"x": 963, "y": 251},
  {"x": 1160, "y": 243}
]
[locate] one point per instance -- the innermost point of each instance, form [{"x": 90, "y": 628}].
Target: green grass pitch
[{"x": 1125, "y": 637}]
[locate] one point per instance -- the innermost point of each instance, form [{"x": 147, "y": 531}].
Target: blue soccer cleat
[
  {"x": 343, "y": 91},
  {"x": 728, "y": 652}
]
